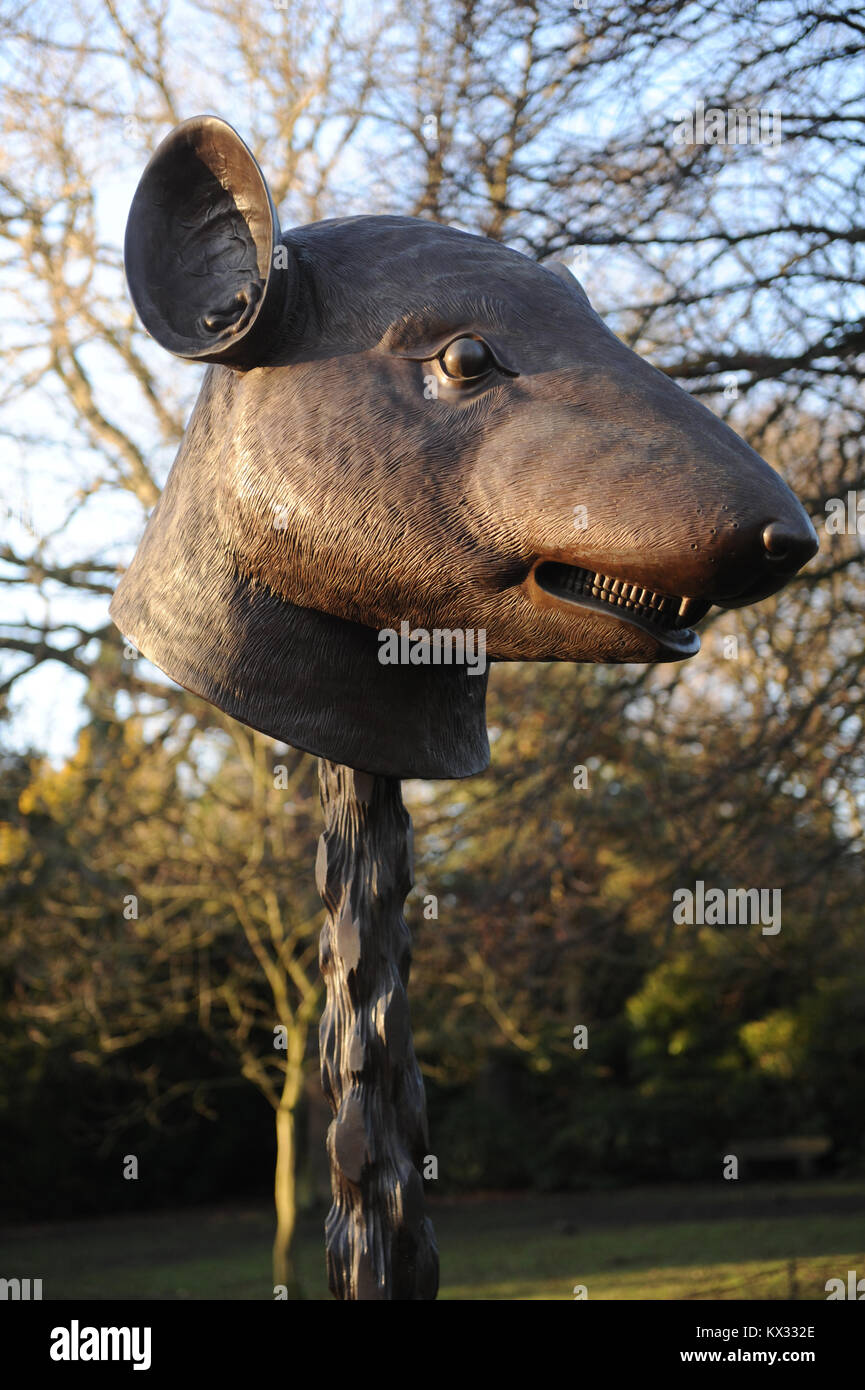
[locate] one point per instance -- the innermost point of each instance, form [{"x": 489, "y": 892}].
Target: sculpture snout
[
  {"x": 682, "y": 503},
  {"x": 673, "y": 514},
  {"x": 784, "y": 547}
]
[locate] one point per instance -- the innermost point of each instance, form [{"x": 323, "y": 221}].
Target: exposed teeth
[{"x": 662, "y": 610}]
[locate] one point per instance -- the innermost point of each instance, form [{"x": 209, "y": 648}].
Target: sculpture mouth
[{"x": 669, "y": 618}]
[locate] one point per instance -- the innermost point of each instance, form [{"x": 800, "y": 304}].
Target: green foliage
[{"x": 157, "y": 938}]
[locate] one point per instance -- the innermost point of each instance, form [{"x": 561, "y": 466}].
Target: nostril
[
  {"x": 776, "y": 541},
  {"x": 788, "y": 545}
]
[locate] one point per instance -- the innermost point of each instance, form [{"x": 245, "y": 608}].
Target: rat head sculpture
[{"x": 409, "y": 435}]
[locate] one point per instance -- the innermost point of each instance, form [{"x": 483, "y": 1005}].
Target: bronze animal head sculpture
[{"x": 406, "y": 429}]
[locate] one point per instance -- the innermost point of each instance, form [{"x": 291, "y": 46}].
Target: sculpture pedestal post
[{"x": 380, "y": 1245}]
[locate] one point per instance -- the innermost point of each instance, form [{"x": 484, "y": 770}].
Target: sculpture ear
[{"x": 200, "y": 248}]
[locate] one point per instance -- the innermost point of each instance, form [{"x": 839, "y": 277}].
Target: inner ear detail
[
  {"x": 200, "y": 245},
  {"x": 234, "y": 316}
]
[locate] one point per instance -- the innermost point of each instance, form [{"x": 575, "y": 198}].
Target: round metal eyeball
[{"x": 466, "y": 358}]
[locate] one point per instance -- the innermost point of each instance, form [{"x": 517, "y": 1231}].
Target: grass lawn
[{"x": 764, "y": 1241}]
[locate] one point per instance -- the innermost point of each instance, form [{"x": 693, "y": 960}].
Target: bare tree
[{"x": 735, "y": 265}]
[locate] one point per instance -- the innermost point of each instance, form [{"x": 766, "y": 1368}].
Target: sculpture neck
[{"x": 303, "y": 677}]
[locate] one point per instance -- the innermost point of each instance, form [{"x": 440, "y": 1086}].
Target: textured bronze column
[{"x": 380, "y": 1245}]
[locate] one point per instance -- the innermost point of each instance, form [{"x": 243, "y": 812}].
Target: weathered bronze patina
[
  {"x": 398, "y": 426},
  {"x": 407, "y": 428}
]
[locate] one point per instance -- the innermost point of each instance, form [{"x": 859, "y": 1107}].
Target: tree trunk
[
  {"x": 380, "y": 1245},
  {"x": 284, "y": 1190}
]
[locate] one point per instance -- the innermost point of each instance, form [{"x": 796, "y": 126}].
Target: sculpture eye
[{"x": 465, "y": 359}]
